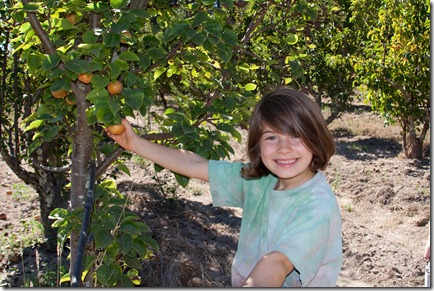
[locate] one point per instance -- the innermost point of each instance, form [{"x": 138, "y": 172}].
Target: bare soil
[{"x": 384, "y": 200}]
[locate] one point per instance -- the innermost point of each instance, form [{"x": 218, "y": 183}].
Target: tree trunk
[
  {"x": 49, "y": 189},
  {"x": 413, "y": 147},
  {"x": 81, "y": 157}
]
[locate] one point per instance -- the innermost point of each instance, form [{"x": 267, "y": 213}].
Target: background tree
[
  {"x": 17, "y": 102},
  {"x": 393, "y": 65},
  {"x": 330, "y": 49}
]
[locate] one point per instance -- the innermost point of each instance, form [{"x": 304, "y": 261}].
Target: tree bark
[{"x": 81, "y": 157}]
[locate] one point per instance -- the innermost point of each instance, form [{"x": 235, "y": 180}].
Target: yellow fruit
[
  {"x": 85, "y": 78},
  {"x": 71, "y": 17},
  {"x": 115, "y": 87},
  {"x": 59, "y": 94},
  {"x": 69, "y": 101},
  {"x": 116, "y": 128}
]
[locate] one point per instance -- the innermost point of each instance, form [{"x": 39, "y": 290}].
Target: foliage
[
  {"x": 120, "y": 240},
  {"x": 330, "y": 74},
  {"x": 393, "y": 65}
]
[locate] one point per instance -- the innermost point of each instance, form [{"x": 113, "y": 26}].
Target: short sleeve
[{"x": 226, "y": 183}]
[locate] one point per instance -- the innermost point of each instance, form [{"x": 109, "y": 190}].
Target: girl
[{"x": 290, "y": 232}]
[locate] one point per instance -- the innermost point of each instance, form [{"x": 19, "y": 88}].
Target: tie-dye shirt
[{"x": 303, "y": 223}]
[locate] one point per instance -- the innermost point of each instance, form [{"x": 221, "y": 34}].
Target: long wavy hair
[{"x": 288, "y": 111}]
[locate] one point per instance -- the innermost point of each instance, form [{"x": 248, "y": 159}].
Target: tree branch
[{"x": 49, "y": 47}]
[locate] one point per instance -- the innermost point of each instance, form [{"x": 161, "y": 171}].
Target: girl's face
[{"x": 286, "y": 157}]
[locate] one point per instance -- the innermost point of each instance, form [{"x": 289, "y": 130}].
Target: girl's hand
[{"x": 125, "y": 139}]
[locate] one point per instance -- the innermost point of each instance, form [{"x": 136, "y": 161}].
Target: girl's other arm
[
  {"x": 179, "y": 161},
  {"x": 270, "y": 271}
]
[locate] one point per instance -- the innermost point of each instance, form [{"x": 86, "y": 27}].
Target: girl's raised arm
[{"x": 179, "y": 161}]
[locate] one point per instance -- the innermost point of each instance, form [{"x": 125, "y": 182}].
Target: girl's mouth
[{"x": 285, "y": 162}]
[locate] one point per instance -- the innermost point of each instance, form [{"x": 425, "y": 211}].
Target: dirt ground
[{"x": 384, "y": 200}]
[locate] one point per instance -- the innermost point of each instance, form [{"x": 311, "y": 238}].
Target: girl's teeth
[{"x": 285, "y": 161}]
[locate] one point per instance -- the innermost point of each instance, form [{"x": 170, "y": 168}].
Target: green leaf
[
  {"x": 63, "y": 24},
  {"x": 60, "y": 84},
  {"x": 108, "y": 221},
  {"x": 105, "y": 115},
  {"x": 230, "y": 37},
  {"x": 291, "y": 39},
  {"x": 35, "y": 124},
  {"x": 140, "y": 247},
  {"x": 65, "y": 278},
  {"x": 225, "y": 52},
  {"x": 89, "y": 37},
  {"x": 229, "y": 103},
  {"x": 156, "y": 53},
  {"x": 313, "y": 14},
  {"x": 129, "y": 56},
  {"x": 206, "y": 145},
  {"x": 149, "y": 241},
  {"x": 130, "y": 227},
  {"x": 112, "y": 39},
  {"x": 51, "y": 133},
  {"x": 134, "y": 276},
  {"x": 228, "y": 3},
  {"x": 125, "y": 242},
  {"x": 199, "y": 38},
  {"x": 50, "y": 61},
  {"x": 225, "y": 127},
  {"x": 151, "y": 41},
  {"x": 117, "y": 67},
  {"x": 208, "y": 2},
  {"x": 35, "y": 61},
  {"x": 125, "y": 281},
  {"x": 103, "y": 238},
  {"x": 182, "y": 180},
  {"x": 124, "y": 169},
  {"x": 100, "y": 82},
  {"x": 250, "y": 87},
  {"x": 31, "y": 7},
  {"x": 78, "y": 66},
  {"x": 297, "y": 70},
  {"x": 98, "y": 96},
  {"x": 214, "y": 28},
  {"x": 134, "y": 98},
  {"x": 108, "y": 274},
  {"x": 133, "y": 262},
  {"x": 158, "y": 72},
  {"x": 115, "y": 3},
  {"x": 200, "y": 18}
]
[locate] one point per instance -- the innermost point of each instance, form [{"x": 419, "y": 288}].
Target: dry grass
[{"x": 365, "y": 124}]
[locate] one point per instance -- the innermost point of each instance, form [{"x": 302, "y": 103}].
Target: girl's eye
[
  {"x": 295, "y": 140},
  {"x": 271, "y": 137}
]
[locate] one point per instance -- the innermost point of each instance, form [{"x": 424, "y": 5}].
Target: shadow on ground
[{"x": 197, "y": 241}]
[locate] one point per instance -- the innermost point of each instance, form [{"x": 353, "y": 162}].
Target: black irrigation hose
[{"x": 88, "y": 206}]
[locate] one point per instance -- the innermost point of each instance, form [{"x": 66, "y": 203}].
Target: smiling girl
[{"x": 290, "y": 233}]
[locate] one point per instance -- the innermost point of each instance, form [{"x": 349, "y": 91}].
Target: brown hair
[{"x": 288, "y": 111}]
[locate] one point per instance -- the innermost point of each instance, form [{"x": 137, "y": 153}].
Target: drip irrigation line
[{"x": 84, "y": 232}]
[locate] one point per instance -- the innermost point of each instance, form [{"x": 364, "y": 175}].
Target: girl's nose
[{"x": 284, "y": 146}]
